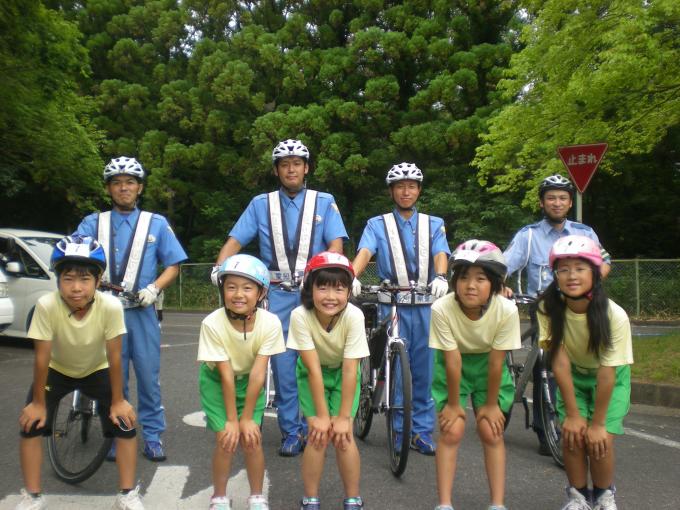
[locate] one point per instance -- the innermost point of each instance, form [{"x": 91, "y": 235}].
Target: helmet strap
[
  {"x": 239, "y": 316},
  {"x": 86, "y": 307}
]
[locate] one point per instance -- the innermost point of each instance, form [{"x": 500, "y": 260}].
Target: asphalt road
[{"x": 648, "y": 456}]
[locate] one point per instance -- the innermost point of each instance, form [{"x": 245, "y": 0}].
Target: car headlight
[{"x": 4, "y": 290}]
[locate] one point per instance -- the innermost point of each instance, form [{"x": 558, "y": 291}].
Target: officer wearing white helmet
[
  {"x": 291, "y": 224},
  {"x": 395, "y": 239},
  {"x": 137, "y": 242}
]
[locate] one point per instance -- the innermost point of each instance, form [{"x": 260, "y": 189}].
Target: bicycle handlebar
[
  {"x": 524, "y": 299},
  {"x": 120, "y": 291},
  {"x": 387, "y": 286}
]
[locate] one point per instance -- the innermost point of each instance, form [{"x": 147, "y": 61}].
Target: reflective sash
[
  {"x": 132, "y": 263},
  {"x": 397, "y": 251},
  {"x": 291, "y": 262}
]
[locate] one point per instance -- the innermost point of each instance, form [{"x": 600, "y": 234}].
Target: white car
[
  {"x": 6, "y": 305},
  {"x": 26, "y": 262}
]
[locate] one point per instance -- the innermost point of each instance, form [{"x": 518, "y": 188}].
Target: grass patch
[{"x": 657, "y": 359}]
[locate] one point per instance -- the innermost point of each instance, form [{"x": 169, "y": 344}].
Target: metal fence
[{"x": 645, "y": 288}]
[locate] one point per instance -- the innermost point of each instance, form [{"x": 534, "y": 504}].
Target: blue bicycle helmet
[
  {"x": 77, "y": 248},
  {"x": 247, "y": 266}
]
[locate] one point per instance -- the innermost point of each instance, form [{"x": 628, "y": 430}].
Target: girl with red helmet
[
  {"x": 329, "y": 334},
  {"x": 589, "y": 346},
  {"x": 471, "y": 330}
]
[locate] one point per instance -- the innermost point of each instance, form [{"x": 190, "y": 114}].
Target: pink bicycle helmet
[
  {"x": 570, "y": 247},
  {"x": 479, "y": 253}
]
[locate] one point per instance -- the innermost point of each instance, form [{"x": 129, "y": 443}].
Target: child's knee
[
  {"x": 486, "y": 434},
  {"x": 454, "y": 435}
]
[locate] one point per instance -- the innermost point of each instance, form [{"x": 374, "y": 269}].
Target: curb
[{"x": 663, "y": 395}]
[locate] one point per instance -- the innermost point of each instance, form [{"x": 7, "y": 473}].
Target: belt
[
  {"x": 285, "y": 276},
  {"x": 406, "y": 298}
]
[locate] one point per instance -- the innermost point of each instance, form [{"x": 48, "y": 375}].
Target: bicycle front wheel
[
  {"x": 364, "y": 416},
  {"x": 399, "y": 410},
  {"x": 77, "y": 446},
  {"x": 551, "y": 422}
]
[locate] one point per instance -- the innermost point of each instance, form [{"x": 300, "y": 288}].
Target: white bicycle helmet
[
  {"x": 123, "y": 166},
  {"x": 555, "y": 182},
  {"x": 290, "y": 148},
  {"x": 480, "y": 253},
  {"x": 403, "y": 172}
]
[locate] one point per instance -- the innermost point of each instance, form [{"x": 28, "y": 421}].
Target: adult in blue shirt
[
  {"x": 136, "y": 243},
  {"x": 530, "y": 249},
  {"x": 292, "y": 225},
  {"x": 400, "y": 236}
]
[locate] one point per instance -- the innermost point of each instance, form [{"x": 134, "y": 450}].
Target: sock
[
  {"x": 597, "y": 492},
  {"x": 35, "y": 495},
  {"x": 584, "y": 491},
  {"x": 125, "y": 491}
]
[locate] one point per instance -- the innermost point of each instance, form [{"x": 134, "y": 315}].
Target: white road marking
[
  {"x": 197, "y": 419},
  {"x": 165, "y": 346},
  {"x": 654, "y": 439},
  {"x": 164, "y": 493}
]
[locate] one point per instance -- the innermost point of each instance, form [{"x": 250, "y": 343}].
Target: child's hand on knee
[
  {"x": 319, "y": 428},
  {"x": 341, "y": 431},
  {"x": 250, "y": 434},
  {"x": 229, "y": 436},
  {"x": 494, "y": 417},
  {"x": 448, "y": 416},
  {"x": 31, "y": 414},
  {"x": 573, "y": 431},
  {"x": 597, "y": 441}
]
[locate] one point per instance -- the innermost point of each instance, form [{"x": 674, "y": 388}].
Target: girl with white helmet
[
  {"x": 471, "y": 330},
  {"x": 588, "y": 340},
  {"x": 234, "y": 347},
  {"x": 329, "y": 333}
]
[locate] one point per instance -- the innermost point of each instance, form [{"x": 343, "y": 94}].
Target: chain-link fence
[{"x": 645, "y": 288}]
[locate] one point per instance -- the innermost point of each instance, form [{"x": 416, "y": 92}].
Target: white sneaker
[
  {"x": 220, "y": 503},
  {"x": 129, "y": 501},
  {"x": 28, "y": 502},
  {"x": 258, "y": 502},
  {"x": 606, "y": 501},
  {"x": 576, "y": 500}
]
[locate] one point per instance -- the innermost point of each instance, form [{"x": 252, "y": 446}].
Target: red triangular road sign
[{"x": 581, "y": 162}]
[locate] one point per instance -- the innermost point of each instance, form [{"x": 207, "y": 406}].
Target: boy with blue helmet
[
  {"x": 234, "y": 347},
  {"x": 77, "y": 334}
]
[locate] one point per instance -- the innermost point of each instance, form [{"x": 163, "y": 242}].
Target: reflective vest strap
[
  {"x": 276, "y": 225},
  {"x": 424, "y": 248},
  {"x": 134, "y": 262},
  {"x": 306, "y": 228},
  {"x": 104, "y": 238},
  {"x": 397, "y": 253}
]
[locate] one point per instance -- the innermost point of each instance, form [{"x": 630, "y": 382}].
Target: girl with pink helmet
[{"x": 588, "y": 341}]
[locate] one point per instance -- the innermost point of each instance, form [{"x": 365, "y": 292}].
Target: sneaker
[
  {"x": 606, "y": 500},
  {"x": 443, "y": 507},
  {"x": 258, "y": 502},
  {"x": 576, "y": 500},
  {"x": 353, "y": 503},
  {"x": 129, "y": 501},
  {"x": 111, "y": 455},
  {"x": 29, "y": 502},
  {"x": 153, "y": 450},
  {"x": 497, "y": 507},
  {"x": 423, "y": 443},
  {"x": 292, "y": 445},
  {"x": 220, "y": 503},
  {"x": 310, "y": 504}
]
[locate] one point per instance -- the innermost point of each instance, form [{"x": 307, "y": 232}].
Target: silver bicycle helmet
[
  {"x": 403, "y": 172},
  {"x": 555, "y": 182},
  {"x": 290, "y": 148},
  {"x": 123, "y": 166},
  {"x": 479, "y": 253}
]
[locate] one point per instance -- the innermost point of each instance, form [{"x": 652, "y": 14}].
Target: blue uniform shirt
[
  {"x": 162, "y": 247},
  {"x": 518, "y": 254},
  {"x": 254, "y": 222},
  {"x": 374, "y": 239}
]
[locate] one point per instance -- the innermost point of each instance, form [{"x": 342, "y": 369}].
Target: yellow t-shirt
[
  {"x": 347, "y": 339},
  {"x": 451, "y": 329},
  {"x": 576, "y": 336},
  {"x": 220, "y": 341},
  {"x": 78, "y": 346}
]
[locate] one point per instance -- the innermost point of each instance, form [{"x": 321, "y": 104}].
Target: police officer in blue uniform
[
  {"x": 530, "y": 249},
  {"x": 135, "y": 264},
  {"x": 406, "y": 230},
  {"x": 292, "y": 225}
]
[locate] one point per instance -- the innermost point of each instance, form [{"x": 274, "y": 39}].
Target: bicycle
[
  {"x": 521, "y": 364},
  {"x": 387, "y": 366},
  {"x": 77, "y": 445}
]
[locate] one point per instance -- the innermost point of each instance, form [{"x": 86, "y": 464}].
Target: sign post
[{"x": 581, "y": 162}]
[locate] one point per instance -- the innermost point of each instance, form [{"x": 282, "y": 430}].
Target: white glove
[
  {"x": 439, "y": 287},
  {"x": 356, "y": 287},
  {"x": 213, "y": 276},
  {"x": 148, "y": 295}
]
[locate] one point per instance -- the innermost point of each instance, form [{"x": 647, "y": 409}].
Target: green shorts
[
  {"x": 473, "y": 382},
  {"x": 332, "y": 384},
  {"x": 585, "y": 386},
  {"x": 212, "y": 398}
]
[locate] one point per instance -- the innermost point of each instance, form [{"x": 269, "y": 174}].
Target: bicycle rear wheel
[
  {"x": 551, "y": 422},
  {"x": 364, "y": 416},
  {"x": 400, "y": 381},
  {"x": 77, "y": 446}
]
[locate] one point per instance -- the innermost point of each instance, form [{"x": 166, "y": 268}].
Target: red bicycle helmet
[{"x": 326, "y": 260}]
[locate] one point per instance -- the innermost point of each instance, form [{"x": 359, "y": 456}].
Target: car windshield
[{"x": 42, "y": 246}]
